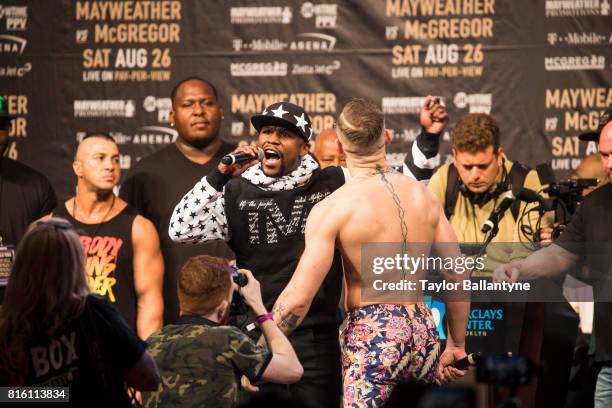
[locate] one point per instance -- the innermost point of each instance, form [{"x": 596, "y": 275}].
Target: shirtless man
[{"x": 384, "y": 343}]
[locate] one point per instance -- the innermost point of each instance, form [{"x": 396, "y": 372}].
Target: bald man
[
  {"x": 124, "y": 262},
  {"x": 326, "y": 150}
]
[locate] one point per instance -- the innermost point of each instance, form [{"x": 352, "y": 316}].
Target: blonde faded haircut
[
  {"x": 204, "y": 282},
  {"x": 362, "y": 124}
]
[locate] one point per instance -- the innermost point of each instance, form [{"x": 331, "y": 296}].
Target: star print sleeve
[
  {"x": 422, "y": 157},
  {"x": 200, "y": 215}
]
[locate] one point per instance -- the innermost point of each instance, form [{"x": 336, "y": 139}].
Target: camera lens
[
  {"x": 556, "y": 232},
  {"x": 238, "y": 278}
]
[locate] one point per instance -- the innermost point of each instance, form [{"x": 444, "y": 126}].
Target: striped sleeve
[{"x": 422, "y": 157}]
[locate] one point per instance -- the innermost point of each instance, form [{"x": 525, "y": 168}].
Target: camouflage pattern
[{"x": 200, "y": 365}]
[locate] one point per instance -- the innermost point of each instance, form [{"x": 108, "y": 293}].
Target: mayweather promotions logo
[
  {"x": 104, "y": 108},
  {"x": 566, "y": 8},
  {"x": 261, "y": 15}
]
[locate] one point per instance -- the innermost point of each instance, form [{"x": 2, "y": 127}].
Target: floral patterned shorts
[{"x": 383, "y": 345}]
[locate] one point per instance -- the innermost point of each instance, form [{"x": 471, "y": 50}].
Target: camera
[
  {"x": 568, "y": 194},
  {"x": 238, "y": 306},
  {"x": 556, "y": 232},
  {"x": 239, "y": 279}
]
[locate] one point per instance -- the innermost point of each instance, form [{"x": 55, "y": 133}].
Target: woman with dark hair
[{"x": 53, "y": 333}]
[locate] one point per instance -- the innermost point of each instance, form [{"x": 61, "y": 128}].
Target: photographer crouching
[{"x": 200, "y": 359}]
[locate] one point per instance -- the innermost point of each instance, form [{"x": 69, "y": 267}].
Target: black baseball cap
[
  {"x": 604, "y": 119},
  {"x": 287, "y": 115}
]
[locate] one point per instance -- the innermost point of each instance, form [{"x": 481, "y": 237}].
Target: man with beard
[
  {"x": 124, "y": 262},
  {"x": 200, "y": 358},
  {"x": 155, "y": 184},
  {"x": 25, "y": 196},
  {"x": 262, "y": 214}
]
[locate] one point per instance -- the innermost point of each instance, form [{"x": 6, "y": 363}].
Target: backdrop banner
[{"x": 542, "y": 69}]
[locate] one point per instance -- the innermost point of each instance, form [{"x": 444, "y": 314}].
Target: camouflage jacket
[{"x": 200, "y": 363}]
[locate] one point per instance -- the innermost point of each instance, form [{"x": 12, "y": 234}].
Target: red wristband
[{"x": 263, "y": 318}]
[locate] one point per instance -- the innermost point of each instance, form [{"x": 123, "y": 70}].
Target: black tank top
[{"x": 109, "y": 251}]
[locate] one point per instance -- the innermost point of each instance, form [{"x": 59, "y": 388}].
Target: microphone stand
[{"x": 492, "y": 234}]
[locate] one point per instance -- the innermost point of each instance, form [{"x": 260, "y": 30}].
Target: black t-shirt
[
  {"x": 70, "y": 358},
  {"x": 154, "y": 186},
  {"x": 110, "y": 259},
  {"x": 25, "y": 196},
  {"x": 589, "y": 235},
  {"x": 267, "y": 235}
]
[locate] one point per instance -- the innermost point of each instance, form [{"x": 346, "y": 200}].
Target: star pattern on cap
[
  {"x": 279, "y": 112},
  {"x": 301, "y": 122}
]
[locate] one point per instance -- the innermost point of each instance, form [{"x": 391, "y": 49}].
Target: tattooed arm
[
  {"x": 286, "y": 320},
  {"x": 293, "y": 303}
]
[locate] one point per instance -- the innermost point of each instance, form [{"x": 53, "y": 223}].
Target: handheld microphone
[
  {"x": 241, "y": 157},
  {"x": 469, "y": 360},
  {"x": 498, "y": 213}
]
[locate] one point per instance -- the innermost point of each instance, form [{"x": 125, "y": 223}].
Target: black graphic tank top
[{"x": 109, "y": 253}]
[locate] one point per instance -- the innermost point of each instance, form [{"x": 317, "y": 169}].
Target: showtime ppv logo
[
  {"x": 476, "y": 103},
  {"x": 325, "y": 14},
  {"x": 564, "y": 8},
  {"x": 259, "y": 69},
  {"x": 16, "y": 17},
  {"x": 104, "y": 108},
  {"x": 162, "y": 105},
  {"x": 261, "y": 15},
  {"x": 575, "y": 63}
]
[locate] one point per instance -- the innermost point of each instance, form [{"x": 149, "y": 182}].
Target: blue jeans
[{"x": 603, "y": 390}]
